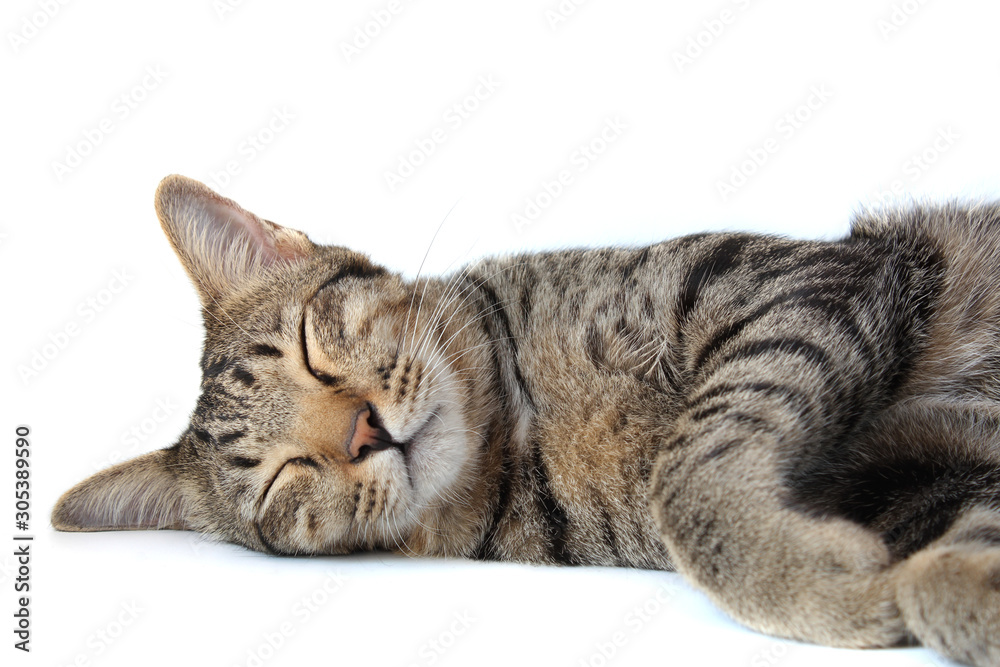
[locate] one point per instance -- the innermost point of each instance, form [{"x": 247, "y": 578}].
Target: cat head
[{"x": 338, "y": 408}]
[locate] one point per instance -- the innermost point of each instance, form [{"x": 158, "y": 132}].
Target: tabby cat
[{"x": 807, "y": 431}]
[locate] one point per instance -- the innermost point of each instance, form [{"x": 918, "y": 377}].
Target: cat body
[{"x": 805, "y": 430}]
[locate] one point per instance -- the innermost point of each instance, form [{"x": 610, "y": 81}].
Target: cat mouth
[{"x": 419, "y": 435}]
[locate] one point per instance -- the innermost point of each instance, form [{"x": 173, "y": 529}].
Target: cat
[{"x": 807, "y": 431}]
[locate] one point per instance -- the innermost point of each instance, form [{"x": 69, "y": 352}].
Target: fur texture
[{"x": 806, "y": 430}]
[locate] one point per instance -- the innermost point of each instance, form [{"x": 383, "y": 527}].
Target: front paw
[{"x": 950, "y": 599}]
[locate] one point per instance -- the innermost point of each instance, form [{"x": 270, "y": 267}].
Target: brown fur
[{"x": 805, "y": 430}]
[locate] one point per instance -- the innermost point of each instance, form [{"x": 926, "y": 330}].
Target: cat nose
[{"x": 369, "y": 435}]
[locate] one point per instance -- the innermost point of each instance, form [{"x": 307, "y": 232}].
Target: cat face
[{"x": 337, "y": 408}]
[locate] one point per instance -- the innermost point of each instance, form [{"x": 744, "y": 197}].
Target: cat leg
[
  {"x": 949, "y": 592},
  {"x": 718, "y": 495}
]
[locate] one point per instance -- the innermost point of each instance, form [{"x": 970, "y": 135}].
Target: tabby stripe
[
  {"x": 676, "y": 442},
  {"x": 906, "y": 344},
  {"x": 768, "y": 389},
  {"x": 830, "y": 252},
  {"x": 217, "y": 416},
  {"x": 503, "y": 334},
  {"x": 648, "y": 307},
  {"x": 487, "y": 547},
  {"x": 775, "y": 253},
  {"x": 244, "y": 462},
  {"x": 498, "y": 430},
  {"x": 794, "y": 346},
  {"x": 755, "y": 423},
  {"x": 553, "y": 513},
  {"x": 594, "y": 345},
  {"x": 759, "y": 423},
  {"x": 527, "y": 292},
  {"x": 353, "y": 269},
  {"x": 830, "y": 262},
  {"x": 204, "y": 436},
  {"x": 230, "y": 437},
  {"x": 609, "y": 537},
  {"x": 721, "y": 259},
  {"x": 265, "y": 350},
  {"x": 328, "y": 380},
  {"x": 214, "y": 368},
  {"x": 804, "y": 298},
  {"x": 841, "y": 314},
  {"x": 705, "y": 413},
  {"x": 244, "y": 376},
  {"x": 219, "y": 398},
  {"x": 634, "y": 263},
  {"x": 718, "y": 451}
]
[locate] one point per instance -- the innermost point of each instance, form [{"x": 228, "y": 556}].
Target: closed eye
[
  {"x": 298, "y": 460},
  {"x": 325, "y": 378},
  {"x": 258, "y": 522}
]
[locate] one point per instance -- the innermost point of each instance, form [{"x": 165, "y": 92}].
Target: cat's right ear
[{"x": 220, "y": 243}]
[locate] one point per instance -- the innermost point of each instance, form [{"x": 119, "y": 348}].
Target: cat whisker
[{"x": 421, "y": 268}]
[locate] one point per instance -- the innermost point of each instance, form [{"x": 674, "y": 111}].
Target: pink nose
[{"x": 369, "y": 436}]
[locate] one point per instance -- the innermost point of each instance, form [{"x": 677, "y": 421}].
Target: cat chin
[{"x": 437, "y": 456}]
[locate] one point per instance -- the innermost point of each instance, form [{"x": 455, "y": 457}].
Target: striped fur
[{"x": 805, "y": 430}]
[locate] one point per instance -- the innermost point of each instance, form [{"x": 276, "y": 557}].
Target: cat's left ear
[
  {"x": 141, "y": 494},
  {"x": 220, "y": 243}
]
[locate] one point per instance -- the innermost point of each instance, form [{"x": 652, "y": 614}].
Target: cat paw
[{"x": 950, "y": 600}]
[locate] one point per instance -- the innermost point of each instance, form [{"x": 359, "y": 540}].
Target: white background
[{"x": 899, "y": 81}]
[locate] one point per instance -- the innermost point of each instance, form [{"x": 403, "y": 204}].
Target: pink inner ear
[{"x": 232, "y": 226}]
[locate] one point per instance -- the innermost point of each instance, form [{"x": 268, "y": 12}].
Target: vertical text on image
[{"x": 22, "y": 542}]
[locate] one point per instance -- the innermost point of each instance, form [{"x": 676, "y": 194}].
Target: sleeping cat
[{"x": 807, "y": 431}]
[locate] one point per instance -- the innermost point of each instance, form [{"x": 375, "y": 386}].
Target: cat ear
[
  {"x": 220, "y": 243},
  {"x": 142, "y": 493}
]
